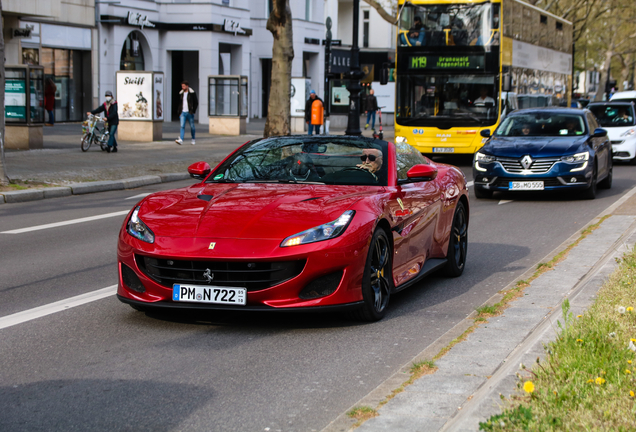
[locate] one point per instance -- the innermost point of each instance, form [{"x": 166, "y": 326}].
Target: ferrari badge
[{"x": 212, "y": 245}]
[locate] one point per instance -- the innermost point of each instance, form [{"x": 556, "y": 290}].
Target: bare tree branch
[{"x": 383, "y": 13}]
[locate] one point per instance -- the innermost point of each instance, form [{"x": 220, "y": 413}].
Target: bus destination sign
[{"x": 446, "y": 62}]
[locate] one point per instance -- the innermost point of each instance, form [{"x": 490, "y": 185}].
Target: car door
[
  {"x": 417, "y": 215},
  {"x": 602, "y": 147}
]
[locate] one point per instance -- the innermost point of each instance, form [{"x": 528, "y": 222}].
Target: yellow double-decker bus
[{"x": 461, "y": 65}]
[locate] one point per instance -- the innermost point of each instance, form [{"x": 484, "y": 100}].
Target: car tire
[
  {"x": 607, "y": 181},
  {"x": 482, "y": 193},
  {"x": 377, "y": 280},
  {"x": 590, "y": 192},
  {"x": 458, "y": 243}
]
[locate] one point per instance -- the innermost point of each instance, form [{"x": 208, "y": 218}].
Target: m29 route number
[{"x": 209, "y": 294}]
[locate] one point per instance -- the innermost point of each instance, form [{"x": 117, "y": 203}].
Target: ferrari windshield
[
  {"x": 446, "y": 100},
  {"x": 326, "y": 160},
  {"x": 542, "y": 124}
]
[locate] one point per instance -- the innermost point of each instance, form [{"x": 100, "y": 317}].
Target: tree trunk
[
  {"x": 4, "y": 179},
  {"x": 605, "y": 70},
  {"x": 625, "y": 71},
  {"x": 279, "y": 110}
]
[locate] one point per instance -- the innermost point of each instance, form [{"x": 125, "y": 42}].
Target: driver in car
[{"x": 371, "y": 160}]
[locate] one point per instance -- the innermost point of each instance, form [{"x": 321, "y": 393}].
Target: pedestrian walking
[
  {"x": 314, "y": 111},
  {"x": 49, "y": 99},
  {"x": 370, "y": 107},
  {"x": 188, "y": 104},
  {"x": 109, "y": 108}
]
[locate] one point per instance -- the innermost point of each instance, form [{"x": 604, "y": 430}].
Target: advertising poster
[
  {"x": 158, "y": 88},
  {"x": 339, "y": 96},
  {"x": 299, "y": 94},
  {"x": 15, "y": 99},
  {"x": 134, "y": 95},
  {"x": 385, "y": 94}
]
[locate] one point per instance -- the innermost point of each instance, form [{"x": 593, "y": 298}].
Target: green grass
[{"x": 587, "y": 380}]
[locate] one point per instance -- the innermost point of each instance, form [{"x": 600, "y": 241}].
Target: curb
[{"x": 89, "y": 187}]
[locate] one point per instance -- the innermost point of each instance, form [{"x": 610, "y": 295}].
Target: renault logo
[{"x": 526, "y": 161}]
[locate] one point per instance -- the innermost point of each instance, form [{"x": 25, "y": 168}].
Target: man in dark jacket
[
  {"x": 370, "y": 107},
  {"x": 109, "y": 108},
  {"x": 187, "y": 106}
]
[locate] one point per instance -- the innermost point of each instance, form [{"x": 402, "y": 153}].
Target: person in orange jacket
[{"x": 314, "y": 111}]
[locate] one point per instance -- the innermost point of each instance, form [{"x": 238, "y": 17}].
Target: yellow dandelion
[
  {"x": 633, "y": 340},
  {"x": 528, "y": 387},
  {"x": 579, "y": 340},
  {"x": 590, "y": 381},
  {"x": 629, "y": 309},
  {"x": 579, "y": 316},
  {"x": 631, "y": 393},
  {"x": 629, "y": 362},
  {"x": 627, "y": 371},
  {"x": 600, "y": 381}
]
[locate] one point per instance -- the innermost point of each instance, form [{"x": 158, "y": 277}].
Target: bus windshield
[
  {"x": 461, "y": 24},
  {"x": 446, "y": 100}
]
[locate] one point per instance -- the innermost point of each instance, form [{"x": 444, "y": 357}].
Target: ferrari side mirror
[
  {"x": 199, "y": 170},
  {"x": 422, "y": 172}
]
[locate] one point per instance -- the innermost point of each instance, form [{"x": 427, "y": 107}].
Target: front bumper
[
  {"x": 345, "y": 255},
  {"x": 624, "y": 150},
  {"x": 493, "y": 177}
]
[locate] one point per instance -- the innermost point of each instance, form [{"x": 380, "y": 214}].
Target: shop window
[
  {"x": 132, "y": 55},
  {"x": 70, "y": 71}
]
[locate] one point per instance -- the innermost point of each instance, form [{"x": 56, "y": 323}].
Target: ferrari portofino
[{"x": 297, "y": 223}]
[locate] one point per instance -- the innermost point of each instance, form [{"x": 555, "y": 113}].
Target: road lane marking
[
  {"x": 139, "y": 196},
  {"x": 58, "y": 306},
  {"x": 68, "y": 222},
  {"x": 505, "y": 202}
]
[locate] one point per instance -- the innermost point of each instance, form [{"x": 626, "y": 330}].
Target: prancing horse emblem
[
  {"x": 208, "y": 275},
  {"x": 526, "y": 161}
]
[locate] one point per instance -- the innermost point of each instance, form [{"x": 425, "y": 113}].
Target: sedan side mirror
[
  {"x": 485, "y": 133},
  {"x": 199, "y": 170},
  {"x": 422, "y": 172},
  {"x": 599, "y": 133}
]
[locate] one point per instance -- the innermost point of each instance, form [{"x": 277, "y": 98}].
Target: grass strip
[{"x": 587, "y": 380}]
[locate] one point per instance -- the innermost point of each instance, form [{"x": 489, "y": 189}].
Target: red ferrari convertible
[{"x": 297, "y": 223}]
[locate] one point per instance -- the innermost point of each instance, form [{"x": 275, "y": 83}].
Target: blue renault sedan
[{"x": 544, "y": 149}]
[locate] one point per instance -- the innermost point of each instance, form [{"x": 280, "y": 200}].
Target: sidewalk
[{"x": 466, "y": 388}]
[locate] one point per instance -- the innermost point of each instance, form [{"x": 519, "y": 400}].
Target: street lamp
[{"x": 353, "y": 122}]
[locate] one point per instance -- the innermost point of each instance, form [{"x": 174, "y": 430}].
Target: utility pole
[
  {"x": 4, "y": 179},
  {"x": 353, "y": 122},
  {"x": 326, "y": 99}
]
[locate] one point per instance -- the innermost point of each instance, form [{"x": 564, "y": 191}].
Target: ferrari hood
[
  {"x": 247, "y": 211},
  {"x": 534, "y": 146}
]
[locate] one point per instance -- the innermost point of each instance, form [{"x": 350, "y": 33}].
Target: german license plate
[
  {"x": 209, "y": 294},
  {"x": 526, "y": 185},
  {"x": 443, "y": 150}
]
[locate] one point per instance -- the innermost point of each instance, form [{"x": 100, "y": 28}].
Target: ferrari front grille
[
  {"x": 253, "y": 275},
  {"x": 538, "y": 165}
]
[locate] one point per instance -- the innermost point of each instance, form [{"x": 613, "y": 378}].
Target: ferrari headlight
[
  {"x": 400, "y": 139},
  {"x": 323, "y": 232},
  {"x": 576, "y": 158},
  {"x": 484, "y": 158},
  {"x": 628, "y": 133},
  {"x": 138, "y": 229}
]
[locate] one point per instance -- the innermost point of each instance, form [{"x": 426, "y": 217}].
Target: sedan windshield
[
  {"x": 542, "y": 124},
  {"x": 613, "y": 115},
  {"x": 328, "y": 160},
  {"x": 447, "y": 100}
]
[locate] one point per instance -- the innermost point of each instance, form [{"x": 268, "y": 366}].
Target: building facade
[{"x": 60, "y": 36}]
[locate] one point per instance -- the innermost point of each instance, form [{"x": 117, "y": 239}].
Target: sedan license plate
[
  {"x": 443, "y": 150},
  {"x": 209, "y": 294},
  {"x": 525, "y": 185}
]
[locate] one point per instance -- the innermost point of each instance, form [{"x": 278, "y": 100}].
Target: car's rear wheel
[
  {"x": 590, "y": 192},
  {"x": 458, "y": 243},
  {"x": 607, "y": 181},
  {"x": 482, "y": 193},
  {"x": 377, "y": 280}
]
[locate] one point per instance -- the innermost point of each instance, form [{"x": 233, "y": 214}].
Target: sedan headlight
[
  {"x": 138, "y": 229},
  {"x": 400, "y": 139},
  {"x": 576, "y": 158},
  {"x": 628, "y": 133},
  {"x": 484, "y": 158},
  {"x": 323, "y": 232}
]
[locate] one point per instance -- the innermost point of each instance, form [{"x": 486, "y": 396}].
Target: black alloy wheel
[
  {"x": 590, "y": 192},
  {"x": 87, "y": 140},
  {"x": 458, "y": 244},
  {"x": 377, "y": 280}
]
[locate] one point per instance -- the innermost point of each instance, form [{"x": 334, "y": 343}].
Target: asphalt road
[{"x": 103, "y": 366}]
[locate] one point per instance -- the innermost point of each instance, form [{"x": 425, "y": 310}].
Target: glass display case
[{"x": 227, "y": 104}]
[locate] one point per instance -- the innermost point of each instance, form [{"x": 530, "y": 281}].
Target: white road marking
[
  {"x": 58, "y": 306},
  {"x": 139, "y": 196},
  {"x": 470, "y": 183},
  {"x": 505, "y": 202},
  {"x": 68, "y": 222}
]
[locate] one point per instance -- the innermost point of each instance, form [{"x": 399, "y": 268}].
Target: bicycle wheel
[{"x": 87, "y": 140}]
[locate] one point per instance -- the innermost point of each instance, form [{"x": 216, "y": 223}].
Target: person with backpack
[
  {"x": 314, "y": 111},
  {"x": 109, "y": 108}
]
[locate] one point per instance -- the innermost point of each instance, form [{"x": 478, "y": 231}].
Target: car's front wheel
[
  {"x": 377, "y": 280},
  {"x": 458, "y": 243},
  {"x": 590, "y": 192},
  {"x": 607, "y": 181}
]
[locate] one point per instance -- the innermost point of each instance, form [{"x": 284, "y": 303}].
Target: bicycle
[{"x": 93, "y": 133}]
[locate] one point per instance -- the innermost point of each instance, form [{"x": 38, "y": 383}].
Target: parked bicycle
[{"x": 93, "y": 133}]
